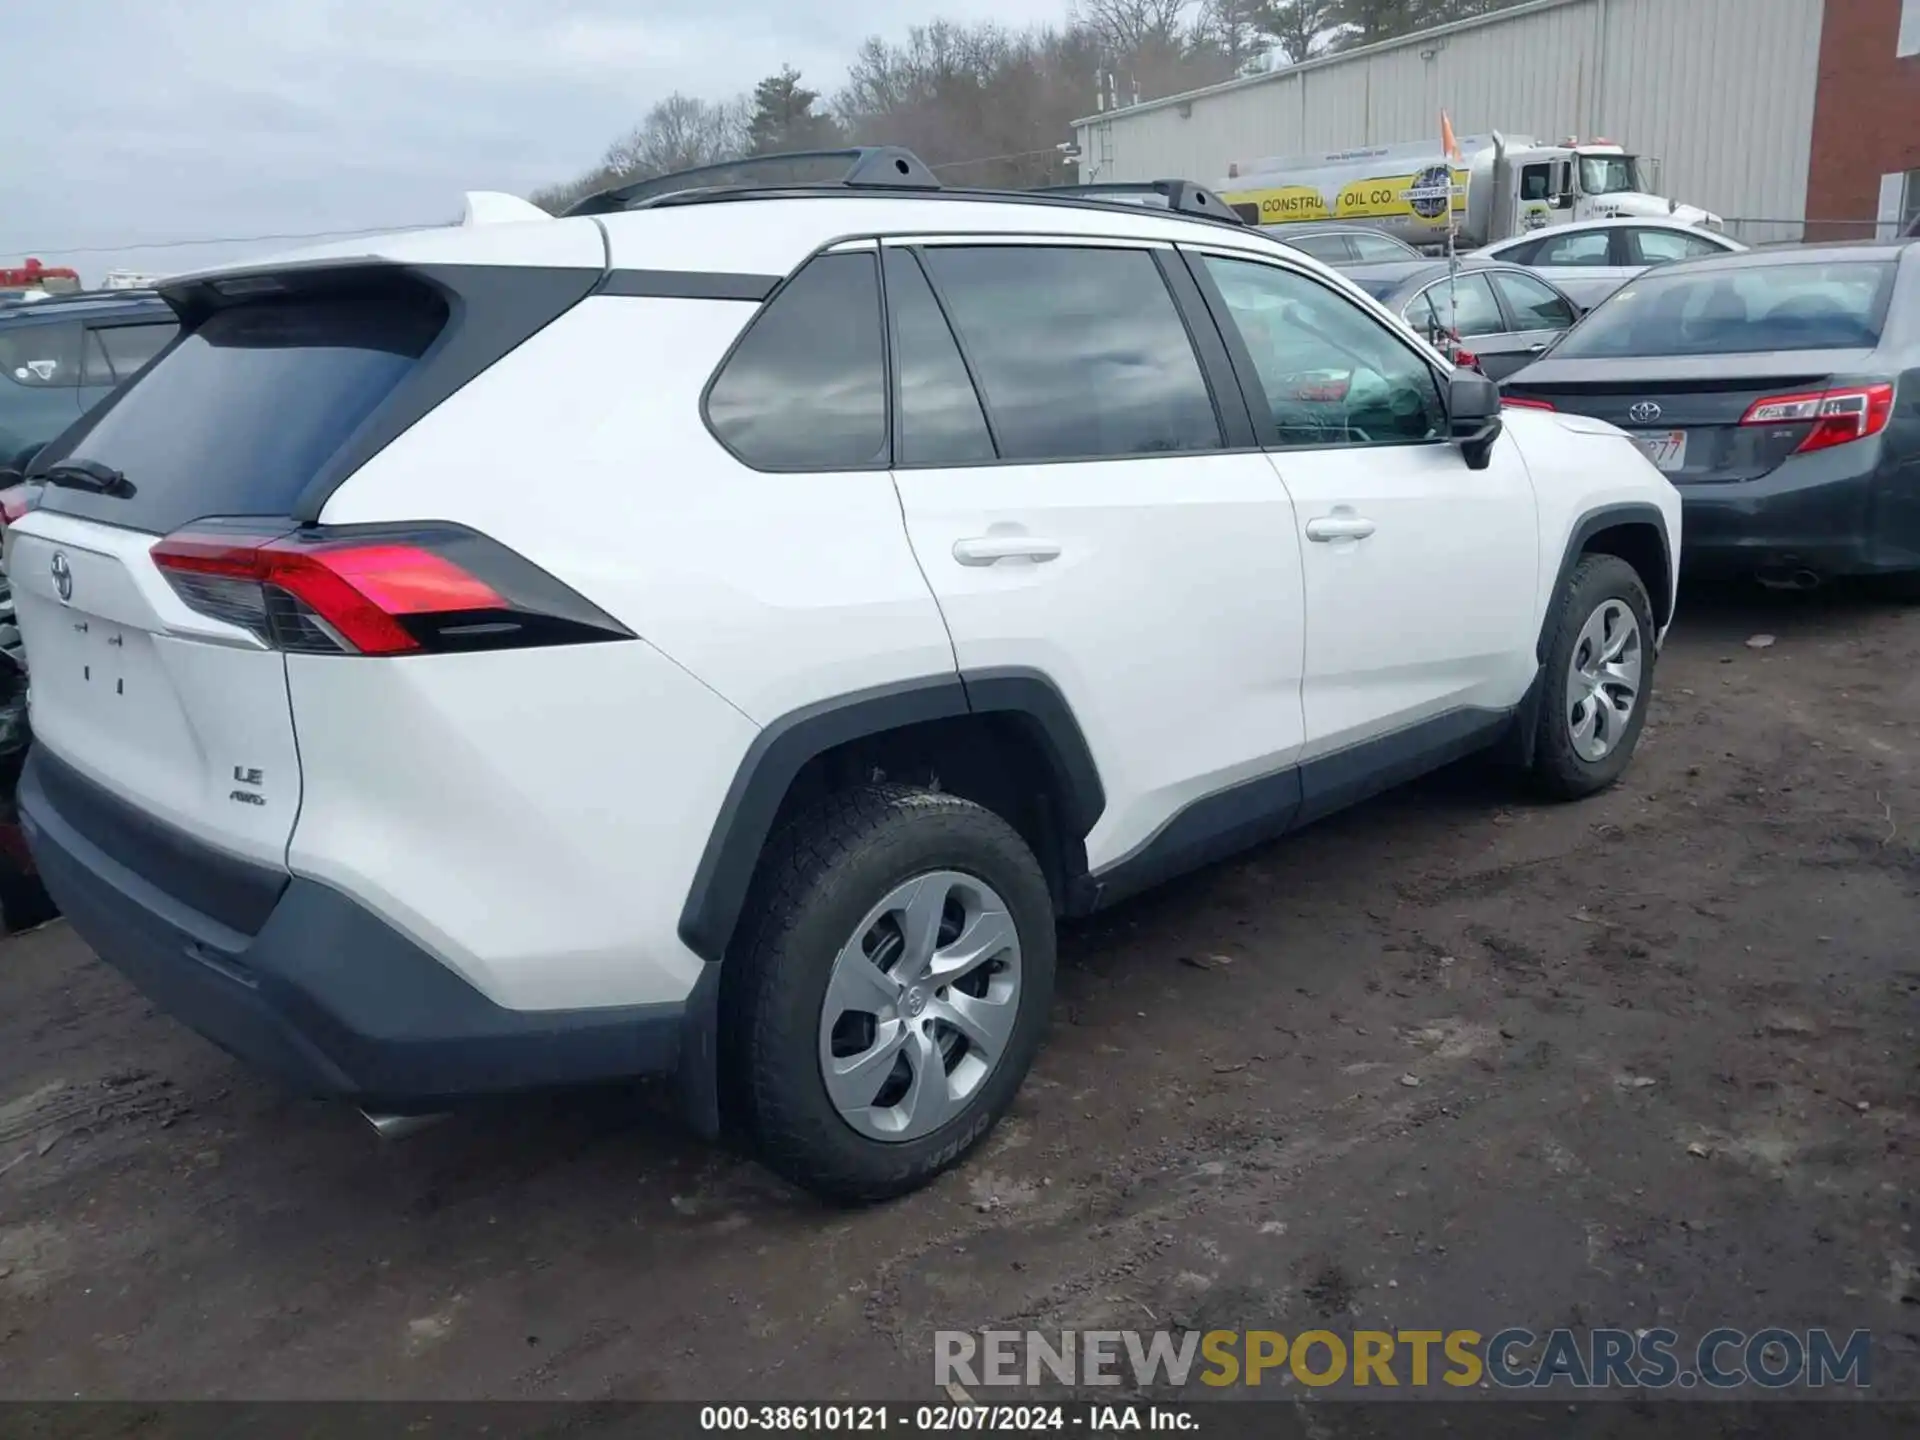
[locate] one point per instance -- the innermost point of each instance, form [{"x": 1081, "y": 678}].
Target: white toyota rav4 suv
[{"x": 719, "y": 632}]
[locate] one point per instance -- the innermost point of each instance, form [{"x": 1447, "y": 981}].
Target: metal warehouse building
[{"x": 1783, "y": 116}]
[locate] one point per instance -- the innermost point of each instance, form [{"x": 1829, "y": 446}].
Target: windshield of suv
[
  {"x": 1608, "y": 174},
  {"x": 1712, "y": 310}
]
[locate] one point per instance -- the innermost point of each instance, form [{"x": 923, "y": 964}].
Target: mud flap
[{"x": 697, "y": 1076}]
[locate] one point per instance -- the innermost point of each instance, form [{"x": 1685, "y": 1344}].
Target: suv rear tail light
[
  {"x": 1517, "y": 402},
  {"x": 375, "y": 589},
  {"x": 1836, "y": 416}
]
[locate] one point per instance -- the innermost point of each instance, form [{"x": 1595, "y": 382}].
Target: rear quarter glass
[{"x": 239, "y": 416}]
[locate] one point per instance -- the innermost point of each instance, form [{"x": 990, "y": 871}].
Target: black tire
[
  {"x": 819, "y": 879},
  {"x": 1559, "y": 771}
]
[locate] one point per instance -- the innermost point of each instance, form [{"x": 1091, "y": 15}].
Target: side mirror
[{"x": 1473, "y": 417}]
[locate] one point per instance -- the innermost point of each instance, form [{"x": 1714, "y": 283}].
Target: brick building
[{"x": 1865, "y": 157}]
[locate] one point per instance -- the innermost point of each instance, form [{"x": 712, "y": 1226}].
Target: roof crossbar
[{"x": 1182, "y": 196}]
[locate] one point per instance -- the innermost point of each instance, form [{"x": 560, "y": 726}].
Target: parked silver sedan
[{"x": 1590, "y": 260}]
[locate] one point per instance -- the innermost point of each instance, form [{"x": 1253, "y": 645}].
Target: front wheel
[
  {"x": 897, "y": 976},
  {"x": 1598, "y": 677}
]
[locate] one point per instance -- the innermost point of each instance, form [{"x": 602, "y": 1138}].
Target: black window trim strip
[
  {"x": 688, "y": 285},
  {"x": 966, "y": 363},
  {"x": 1231, "y": 412}
]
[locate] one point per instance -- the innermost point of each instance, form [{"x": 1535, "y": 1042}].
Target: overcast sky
[{"x": 132, "y": 121}]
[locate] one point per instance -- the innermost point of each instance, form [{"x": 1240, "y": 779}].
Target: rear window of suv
[
  {"x": 1719, "y": 309},
  {"x": 239, "y": 416}
]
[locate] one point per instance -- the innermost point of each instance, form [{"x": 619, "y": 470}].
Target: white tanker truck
[{"x": 1499, "y": 186}]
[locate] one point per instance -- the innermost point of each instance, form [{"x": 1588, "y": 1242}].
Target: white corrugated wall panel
[{"x": 1720, "y": 91}]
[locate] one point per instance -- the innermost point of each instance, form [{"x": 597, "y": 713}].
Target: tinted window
[
  {"x": 1331, "y": 373},
  {"x": 1370, "y": 248},
  {"x": 939, "y": 420},
  {"x": 1836, "y": 306},
  {"x": 1078, "y": 352},
  {"x": 42, "y": 356},
  {"x": 1478, "y": 314},
  {"x": 128, "y": 347},
  {"x": 95, "y": 368},
  {"x": 1652, "y": 247},
  {"x": 1588, "y": 247},
  {"x": 806, "y": 388},
  {"x": 1331, "y": 248},
  {"x": 244, "y": 412},
  {"x": 1534, "y": 303},
  {"x": 1535, "y": 183}
]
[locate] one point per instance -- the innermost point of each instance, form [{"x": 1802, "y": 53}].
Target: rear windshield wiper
[{"x": 87, "y": 475}]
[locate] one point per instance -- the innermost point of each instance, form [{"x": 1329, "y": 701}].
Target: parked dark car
[
  {"x": 1496, "y": 317},
  {"x": 59, "y": 358},
  {"x": 1780, "y": 391}
]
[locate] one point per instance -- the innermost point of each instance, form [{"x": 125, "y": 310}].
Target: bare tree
[
  {"x": 679, "y": 133},
  {"x": 1301, "y": 29},
  {"x": 1129, "y": 26}
]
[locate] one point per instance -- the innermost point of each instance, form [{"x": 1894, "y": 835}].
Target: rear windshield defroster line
[{"x": 242, "y": 413}]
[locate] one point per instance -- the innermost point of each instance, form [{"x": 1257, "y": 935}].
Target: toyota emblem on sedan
[
  {"x": 62, "y": 575},
  {"x": 1645, "y": 413}
]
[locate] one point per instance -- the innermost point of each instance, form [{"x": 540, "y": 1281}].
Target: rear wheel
[
  {"x": 897, "y": 975},
  {"x": 1598, "y": 677}
]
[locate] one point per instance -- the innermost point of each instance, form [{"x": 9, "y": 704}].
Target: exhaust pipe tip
[
  {"x": 1794, "y": 579},
  {"x": 399, "y": 1127}
]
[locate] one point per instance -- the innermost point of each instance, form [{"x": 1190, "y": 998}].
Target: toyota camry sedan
[{"x": 1779, "y": 390}]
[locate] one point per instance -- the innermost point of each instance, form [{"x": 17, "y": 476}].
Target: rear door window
[
  {"x": 1477, "y": 311},
  {"x": 1585, "y": 247},
  {"x": 1535, "y": 304},
  {"x": 1079, "y": 352},
  {"x": 242, "y": 414},
  {"x": 45, "y": 357},
  {"x": 806, "y": 387},
  {"x": 1649, "y": 246}
]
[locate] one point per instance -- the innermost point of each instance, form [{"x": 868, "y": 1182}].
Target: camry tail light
[
  {"x": 375, "y": 590},
  {"x": 1517, "y": 402},
  {"x": 1836, "y": 417}
]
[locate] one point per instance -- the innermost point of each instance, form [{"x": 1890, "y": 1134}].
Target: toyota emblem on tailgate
[
  {"x": 1645, "y": 413},
  {"x": 62, "y": 575}
]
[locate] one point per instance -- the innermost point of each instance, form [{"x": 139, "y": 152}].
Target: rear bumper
[
  {"x": 325, "y": 994},
  {"x": 1834, "y": 514}
]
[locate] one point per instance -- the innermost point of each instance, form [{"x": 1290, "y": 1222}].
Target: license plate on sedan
[{"x": 1667, "y": 449}]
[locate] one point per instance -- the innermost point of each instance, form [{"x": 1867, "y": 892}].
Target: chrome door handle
[
  {"x": 990, "y": 549},
  {"x": 1339, "y": 527}
]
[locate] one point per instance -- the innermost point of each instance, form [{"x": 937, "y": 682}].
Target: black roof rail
[
  {"x": 877, "y": 167},
  {"x": 1182, "y": 196}
]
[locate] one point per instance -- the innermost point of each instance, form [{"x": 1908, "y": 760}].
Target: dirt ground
[{"x": 1664, "y": 1046}]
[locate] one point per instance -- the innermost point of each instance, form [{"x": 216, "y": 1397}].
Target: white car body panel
[
  {"x": 1170, "y": 620},
  {"x": 149, "y": 698},
  {"x": 508, "y": 816},
  {"x": 1430, "y": 613}
]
